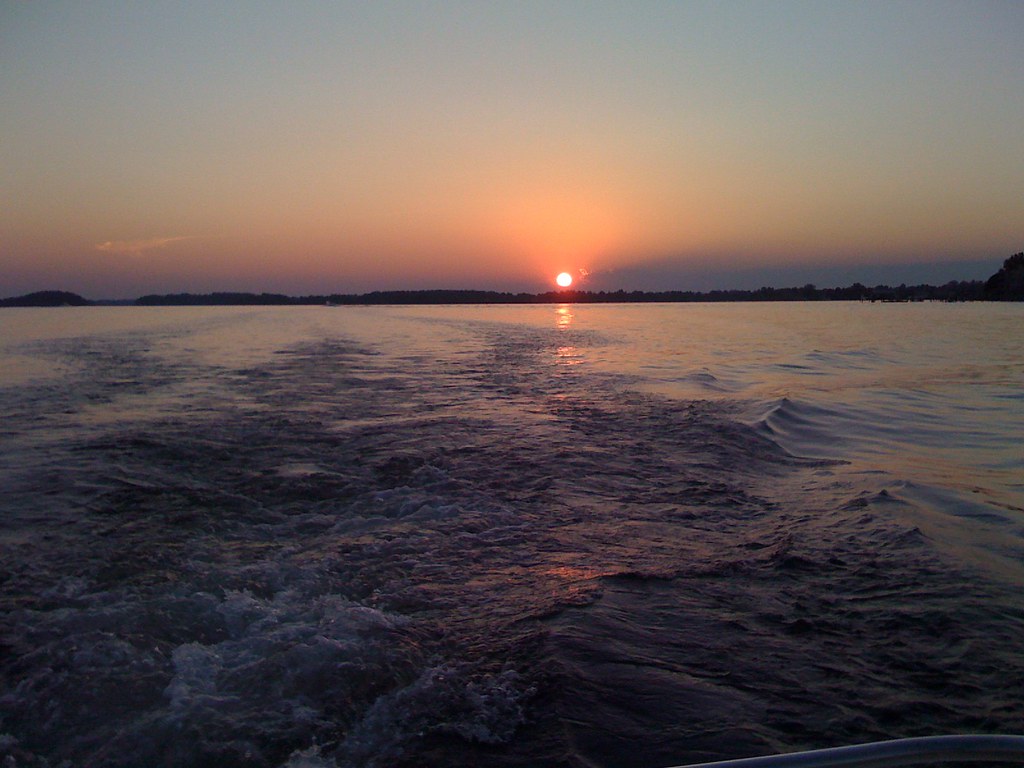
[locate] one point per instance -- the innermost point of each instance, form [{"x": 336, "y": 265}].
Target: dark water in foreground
[{"x": 512, "y": 537}]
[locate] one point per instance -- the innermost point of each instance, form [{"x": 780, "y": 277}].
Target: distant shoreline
[
  {"x": 1005, "y": 285},
  {"x": 951, "y": 292},
  {"x": 967, "y": 291}
]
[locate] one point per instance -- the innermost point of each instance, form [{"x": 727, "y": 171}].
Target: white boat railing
[{"x": 887, "y": 754}]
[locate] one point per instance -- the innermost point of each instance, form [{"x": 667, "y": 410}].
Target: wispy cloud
[{"x": 137, "y": 247}]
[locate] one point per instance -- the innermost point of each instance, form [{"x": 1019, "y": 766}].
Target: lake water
[{"x": 576, "y": 535}]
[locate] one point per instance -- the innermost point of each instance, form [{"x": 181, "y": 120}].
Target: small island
[{"x": 46, "y": 299}]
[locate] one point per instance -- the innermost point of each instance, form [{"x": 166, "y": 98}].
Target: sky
[{"x": 342, "y": 147}]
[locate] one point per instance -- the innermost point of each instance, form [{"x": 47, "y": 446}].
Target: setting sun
[{"x": 564, "y": 280}]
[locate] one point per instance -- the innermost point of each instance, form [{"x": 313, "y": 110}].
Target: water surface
[{"x": 632, "y": 535}]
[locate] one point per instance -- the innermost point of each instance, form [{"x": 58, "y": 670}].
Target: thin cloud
[{"x": 137, "y": 247}]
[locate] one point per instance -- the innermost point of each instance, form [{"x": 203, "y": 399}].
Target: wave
[{"x": 804, "y": 428}]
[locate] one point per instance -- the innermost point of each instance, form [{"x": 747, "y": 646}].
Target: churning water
[{"x": 635, "y": 535}]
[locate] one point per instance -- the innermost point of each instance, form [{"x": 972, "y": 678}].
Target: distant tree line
[
  {"x": 952, "y": 291},
  {"x": 218, "y": 299},
  {"x": 1005, "y": 285}
]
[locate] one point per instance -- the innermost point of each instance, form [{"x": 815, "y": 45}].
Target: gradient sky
[{"x": 342, "y": 147}]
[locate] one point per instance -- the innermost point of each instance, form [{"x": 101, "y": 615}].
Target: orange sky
[{"x": 402, "y": 145}]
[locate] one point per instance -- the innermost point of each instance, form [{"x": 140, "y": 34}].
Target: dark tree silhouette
[
  {"x": 46, "y": 299},
  {"x": 1008, "y": 283}
]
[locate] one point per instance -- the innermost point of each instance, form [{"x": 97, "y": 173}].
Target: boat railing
[{"x": 887, "y": 754}]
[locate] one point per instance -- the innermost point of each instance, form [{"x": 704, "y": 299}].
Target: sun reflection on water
[
  {"x": 569, "y": 356},
  {"x": 566, "y": 354},
  {"x": 563, "y": 317}
]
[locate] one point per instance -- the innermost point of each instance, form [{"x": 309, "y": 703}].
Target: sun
[{"x": 564, "y": 280}]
